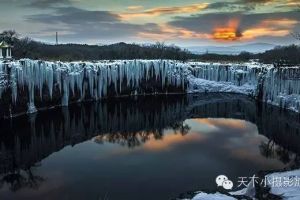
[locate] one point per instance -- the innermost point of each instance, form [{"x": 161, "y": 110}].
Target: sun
[{"x": 230, "y": 32}]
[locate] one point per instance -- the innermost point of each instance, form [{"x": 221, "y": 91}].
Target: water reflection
[
  {"x": 20, "y": 179},
  {"x": 139, "y": 148},
  {"x": 271, "y": 150},
  {"x": 133, "y": 139}
]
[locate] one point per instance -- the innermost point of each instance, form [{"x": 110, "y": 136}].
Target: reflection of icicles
[{"x": 31, "y": 108}]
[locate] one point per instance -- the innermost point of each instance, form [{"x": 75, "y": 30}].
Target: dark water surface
[{"x": 143, "y": 148}]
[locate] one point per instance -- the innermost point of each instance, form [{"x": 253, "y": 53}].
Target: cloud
[
  {"x": 233, "y": 6},
  {"x": 275, "y": 28},
  {"x": 249, "y": 5},
  {"x": 238, "y": 25},
  {"x": 135, "y": 8},
  {"x": 47, "y": 3},
  {"x": 74, "y": 23},
  {"x": 72, "y": 15},
  {"x": 228, "y": 32},
  {"x": 166, "y": 32},
  {"x": 290, "y": 4},
  {"x": 164, "y": 11},
  {"x": 221, "y": 21},
  {"x": 258, "y": 1}
]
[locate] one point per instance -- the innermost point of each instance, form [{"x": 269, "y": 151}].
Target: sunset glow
[
  {"x": 173, "y": 22},
  {"x": 161, "y": 11},
  {"x": 229, "y": 32}
]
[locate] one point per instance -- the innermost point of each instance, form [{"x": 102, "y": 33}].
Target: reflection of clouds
[
  {"x": 222, "y": 123},
  {"x": 170, "y": 140},
  {"x": 238, "y": 138},
  {"x": 255, "y": 156},
  {"x": 201, "y": 129}
]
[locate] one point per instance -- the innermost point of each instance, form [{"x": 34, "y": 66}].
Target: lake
[{"x": 147, "y": 147}]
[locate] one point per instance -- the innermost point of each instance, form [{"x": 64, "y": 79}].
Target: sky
[{"x": 180, "y": 22}]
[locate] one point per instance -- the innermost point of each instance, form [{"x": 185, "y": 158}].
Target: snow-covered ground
[
  {"x": 50, "y": 82},
  {"x": 198, "y": 85},
  {"x": 285, "y": 184},
  {"x": 215, "y": 196}
]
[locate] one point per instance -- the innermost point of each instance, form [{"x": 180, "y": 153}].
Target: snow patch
[
  {"x": 288, "y": 192},
  {"x": 216, "y": 196}
]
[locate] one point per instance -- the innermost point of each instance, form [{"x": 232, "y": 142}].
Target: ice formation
[
  {"x": 281, "y": 87},
  {"x": 277, "y": 86},
  {"x": 61, "y": 83},
  {"x": 32, "y": 84},
  {"x": 233, "y": 78}
]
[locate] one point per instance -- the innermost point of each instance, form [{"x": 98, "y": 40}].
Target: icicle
[{"x": 97, "y": 78}]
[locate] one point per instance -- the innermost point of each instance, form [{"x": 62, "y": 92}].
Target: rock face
[{"x": 29, "y": 85}]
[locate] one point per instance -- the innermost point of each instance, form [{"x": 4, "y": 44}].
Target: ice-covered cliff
[
  {"x": 277, "y": 86},
  {"x": 37, "y": 84},
  {"x": 28, "y": 85},
  {"x": 281, "y": 87},
  {"x": 233, "y": 78}
]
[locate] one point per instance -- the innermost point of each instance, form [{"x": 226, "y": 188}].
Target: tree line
[
  {"x": 279, "y": 56},
  {"x": 28, "y": 48}
]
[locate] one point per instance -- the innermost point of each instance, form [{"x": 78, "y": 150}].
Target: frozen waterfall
[
  {"x": 281, "y": 87},
  {"x": 43, "y": 84},
  {"x": 27, "y": 85}
]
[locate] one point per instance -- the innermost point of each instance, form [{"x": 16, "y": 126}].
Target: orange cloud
[
  {"x": 164, "y": 11},
  {"x": 230, "y": 32},
  {"x": 260, "y": 32},
  {"x": 168, "y": 32},
  {"x": 269, "y": 27},
  {"x": 135, "y": 8},
  {"x": 279, "y": 22},
  {"x": 273, "y": 28},
  {"x": 292, "y": 3}
]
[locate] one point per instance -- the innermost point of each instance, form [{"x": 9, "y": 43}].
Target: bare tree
[
  {"x": 296, "y": 35},
  {"x": 9, "y": 36}
]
